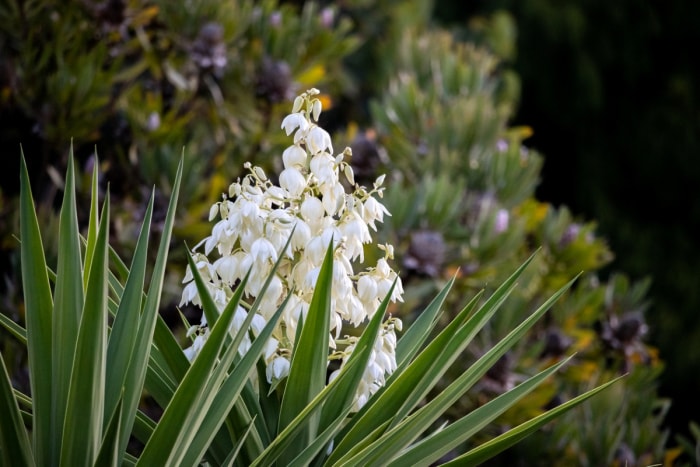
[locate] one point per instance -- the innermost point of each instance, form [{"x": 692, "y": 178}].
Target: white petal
[{"x": 293, "y": 121}]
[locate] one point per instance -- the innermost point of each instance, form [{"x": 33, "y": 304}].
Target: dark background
[{"x": 611, "y": 90}]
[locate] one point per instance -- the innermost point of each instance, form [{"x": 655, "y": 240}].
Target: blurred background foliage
[
  {"x": 433, "y": 94},
  {"x": 617, "y": 113}
]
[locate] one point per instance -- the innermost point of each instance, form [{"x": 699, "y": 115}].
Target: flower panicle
[{"x": 255, "y": 220}]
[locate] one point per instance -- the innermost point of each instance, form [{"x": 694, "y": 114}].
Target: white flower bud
[
  {"x": 192, "y": 351},
  {"x": 191, "y": 330},
  {"x": 213, "y": 211},
  {"x": 380, "y": 181},
  {"x": 302, "y": 234},
  {"x": 260, "y": 173},
  {"x": 298, "y": 102},
  {"x": 276, "y": 194},
  {"x": 349, "y": 174},
  {"x": 228, "y": 270},
  {"x": 323, "y": 168},
  {"x": 316, "y": 108},
  {"x": 333, "y": 375}
]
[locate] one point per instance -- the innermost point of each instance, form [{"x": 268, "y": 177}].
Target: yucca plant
[{"x": 96, "y": 345}]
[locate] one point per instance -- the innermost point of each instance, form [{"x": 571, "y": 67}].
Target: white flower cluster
[{"x": 312, "y": 206}]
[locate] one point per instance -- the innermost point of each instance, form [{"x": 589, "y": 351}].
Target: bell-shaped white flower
[
  {"x": 312, "y": 209},
  {"x": 277, "y": 369},
  {"x": 319, "y": 141},
  {"x": 293, "y": 181},
  {"x": 294, "y": 156},
  {"x": 301, "y": 235},
  {"x": 293, "y": 121},
  {"x": 197, "y": 344},
  {"x": 374, "y": 211}
]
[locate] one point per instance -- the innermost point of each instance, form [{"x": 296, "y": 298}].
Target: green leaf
[
  {"x": 182, "y": 416},
  {"x": 413, "y": 338},
  {"x": 39, "y": 309},
  {"x": 13, "y": 328},
  {"x": 170, "y": 349},
  {"x": 341, "y": 398},
  {"x": 158, "y": 383},
  {"x": 364, "y": 347},
  {"x": 140, "y": 360},
  {"x": 143, "y": 427},
  {"x": 267, "y": 398},
  {"x": 93, "y": 220},
  {"x": 394, "y": 441},
  {"x": 407, "y": 383},
  {"x": 310, "y": 358},
  {"x": 489, "y": 449},
  {"x": 163, "y": 338},
  {"x": 322, "y": 440},
  {"x": 82, "y": 429},
  {"x": 124, "y": 384},
  {"x": 256, "y": 404},
  {"x": 282, "y": 442},
  {"x": 463, "y": 336},
  {"x": 248, "y": 402},
  {"x": 233, "y": 455},
  {"x": 14, "y": 442},
  {"x": 439, "y": 443},
  {"x": 110, "y": 452},
  {"x": 166, "y": 356},
  {"x": 237, "y": 421},
  {"x": 164, "y": 343},
  {"x": 407, "y": 387},
  {"x": 139, "y": 365},
  {"x": 229, "y": 391},
  {"x": 68, "y": 304},
  {"x": 122, "y": 338}
]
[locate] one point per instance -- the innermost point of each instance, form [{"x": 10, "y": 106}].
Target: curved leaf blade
[
  {"x": 68, "y": 303},
  {"x": 16, "y": 449},
  {"x": 176, "y": 424},
  {"x": 489, "y": 449},
  {"x": 310, "y": 357},
  {"x": 39, "y": 310},
  {"x": 82, "y": 428}
]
